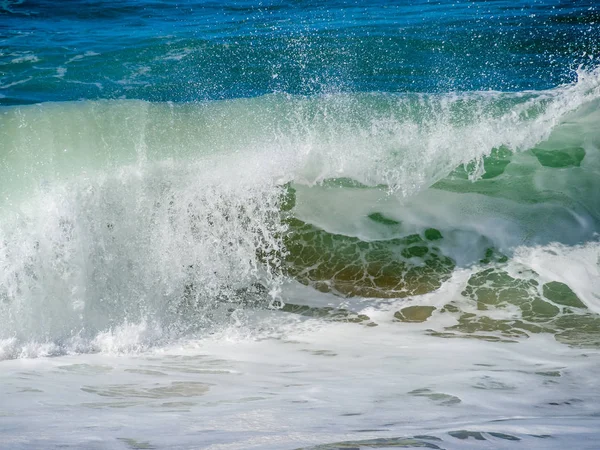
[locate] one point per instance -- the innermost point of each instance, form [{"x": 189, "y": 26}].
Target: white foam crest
[
  {"x": 577, "y": 266},
  {"x": 7, "y": 348},
  {"x": 407, "y": 142},
  {"x": 112, "y": 261},
  {"x": 127, "y": 338},
  {"x": 417, "y": 141}
]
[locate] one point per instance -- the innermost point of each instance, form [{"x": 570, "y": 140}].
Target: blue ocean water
[{"x": 199, "y": 50}]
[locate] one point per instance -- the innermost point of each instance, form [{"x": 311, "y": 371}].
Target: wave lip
[{"x": 406, "y": 142}]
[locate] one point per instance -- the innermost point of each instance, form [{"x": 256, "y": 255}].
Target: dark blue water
[{"x": 199, "y": 50}]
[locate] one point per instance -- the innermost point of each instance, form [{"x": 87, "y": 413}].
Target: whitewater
[{"x": 299, "y": 255}]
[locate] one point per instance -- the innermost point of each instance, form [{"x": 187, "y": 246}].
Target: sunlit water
[
  {"x": 300, "y": 384},
  {"x": 285, "y": 226}
]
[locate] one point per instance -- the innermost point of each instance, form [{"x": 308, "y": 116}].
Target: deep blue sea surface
[{"x": 198, "y": 50}]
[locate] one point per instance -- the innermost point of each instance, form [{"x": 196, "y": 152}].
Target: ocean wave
[{"x": 174, "y": 216}]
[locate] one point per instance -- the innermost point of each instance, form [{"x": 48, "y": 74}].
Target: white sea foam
[
  {"x": 576, "y": 266},
  {"x": 60, "y": 72},
  {"x": 24, "y": 57},
  {"x": 311, "y": 383},
  {"x": 81, "y": 56},
  {"x": 15, "y": 83}
]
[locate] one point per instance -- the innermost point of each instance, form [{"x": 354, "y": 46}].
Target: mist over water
[{"x": 299, "y": 226}]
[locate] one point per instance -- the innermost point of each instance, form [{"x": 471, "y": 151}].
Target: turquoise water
[
  {"x": 299, "y": 224},
  {"x": 199, "y": 50}
]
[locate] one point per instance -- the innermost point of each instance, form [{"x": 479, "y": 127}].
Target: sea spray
[{"x": 170, "y": 217}]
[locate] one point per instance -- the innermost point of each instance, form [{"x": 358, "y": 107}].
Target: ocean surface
[{"x": 299, "y": 225}]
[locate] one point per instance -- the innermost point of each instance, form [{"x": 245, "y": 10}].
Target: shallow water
[{"x": 288, "y": 226}]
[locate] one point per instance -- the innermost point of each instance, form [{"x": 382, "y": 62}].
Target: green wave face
[
  {"x": 349, "y": 266},
  {"x": 496, "y": 306}
]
